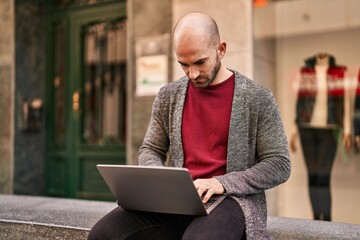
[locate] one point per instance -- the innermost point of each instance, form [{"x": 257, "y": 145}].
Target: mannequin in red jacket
[{"x": 320, "y": 119}]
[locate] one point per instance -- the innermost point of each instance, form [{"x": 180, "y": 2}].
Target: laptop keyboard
[{"x": 209, "y": 203}]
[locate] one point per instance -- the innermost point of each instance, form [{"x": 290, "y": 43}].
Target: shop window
[{"x": 307, "y": 53}]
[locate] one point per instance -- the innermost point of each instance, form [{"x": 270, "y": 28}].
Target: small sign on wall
[
  {"x": 151, "y": 64},
  {"x": 152, "y": 74}
]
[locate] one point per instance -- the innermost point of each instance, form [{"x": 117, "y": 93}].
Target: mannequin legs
[
  {"x": 357, "y": 123},
  {"x": 319, "y": 148}
]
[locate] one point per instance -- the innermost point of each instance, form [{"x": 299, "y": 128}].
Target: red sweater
[{"x": 205, "y": 128}]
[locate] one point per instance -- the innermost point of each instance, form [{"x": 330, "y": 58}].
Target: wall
[
  {"x": 29, "y": 84},
  {"x": 6, "y": 96},
  {"x": 264, "y": 46},
  {"x": 264, "y": 63},
  {"x": 145, "y": 19}
]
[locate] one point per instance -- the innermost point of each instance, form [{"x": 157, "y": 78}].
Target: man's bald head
[{"x": 196, "y": 26}]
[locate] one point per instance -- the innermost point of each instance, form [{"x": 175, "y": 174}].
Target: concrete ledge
[
  {"x": 302, "y": 229},
  {"x": 27, "y": 230},
  {"x": 40, "y": 218}
]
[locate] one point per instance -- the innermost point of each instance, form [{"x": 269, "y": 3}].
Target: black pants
[
  {"x": 357, "y": 121},
  {"x": 226, "y": 221},
  {"x": 357, "y": 115},
  {"x": 319, "y": 148}
]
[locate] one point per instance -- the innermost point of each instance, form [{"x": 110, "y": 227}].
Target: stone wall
[
  {"x": 30, "y": 32},
  {"x": 145, "y": 19},
  {"x": 6, "y": 90}
]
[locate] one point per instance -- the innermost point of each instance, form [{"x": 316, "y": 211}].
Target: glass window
[
  {"x": 104, "y": 113},
  {"x": 307, "y": 53}
]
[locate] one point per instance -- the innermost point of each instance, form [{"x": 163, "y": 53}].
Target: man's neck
[{"x": 222, "y": 75}]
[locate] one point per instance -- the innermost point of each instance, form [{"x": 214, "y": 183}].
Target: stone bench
[
  {"x": 43, "y": 218},
  {"x": 40, "y": 218},
  {"x": 301, "y": 229}
]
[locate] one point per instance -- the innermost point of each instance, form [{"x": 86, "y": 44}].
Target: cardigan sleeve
[
  {"x": 154, "y": 148},
  {"x": 268, "y": 158}
]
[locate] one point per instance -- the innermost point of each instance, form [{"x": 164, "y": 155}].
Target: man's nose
[{"x": 193, "y": 73}]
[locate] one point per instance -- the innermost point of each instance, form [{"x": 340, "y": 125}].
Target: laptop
[{"x": 156, "y": 189}]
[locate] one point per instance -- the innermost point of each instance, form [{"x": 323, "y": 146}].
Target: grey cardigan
[{"x": 257, "y": 156}]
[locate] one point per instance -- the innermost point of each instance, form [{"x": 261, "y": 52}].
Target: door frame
[{"x": 73, "y": 153}]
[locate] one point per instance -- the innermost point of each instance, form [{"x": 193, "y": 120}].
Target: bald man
[{"x": 221, "y": 126}]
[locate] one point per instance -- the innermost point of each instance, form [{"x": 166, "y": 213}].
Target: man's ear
[{"x": 221, "y": 49}]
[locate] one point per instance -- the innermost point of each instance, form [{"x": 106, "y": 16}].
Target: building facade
[{"x": 78, "y": 78}]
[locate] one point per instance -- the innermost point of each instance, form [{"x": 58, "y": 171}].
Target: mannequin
[{"x": 319, "y": 118}]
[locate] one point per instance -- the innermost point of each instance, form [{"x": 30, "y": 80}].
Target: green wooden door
[{"x": 86, "y": 98}]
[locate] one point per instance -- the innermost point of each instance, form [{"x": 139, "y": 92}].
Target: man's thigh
[
  {"x": 122, "y": 224},
  {"x": 226, "y": 221}
]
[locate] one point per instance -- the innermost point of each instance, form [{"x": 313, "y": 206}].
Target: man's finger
[
  {"x": 201, "y": 191},
  {"x": 208, "y": 195}
]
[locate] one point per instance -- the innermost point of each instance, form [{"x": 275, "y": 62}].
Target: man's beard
[{"x": 211, "y": 77}]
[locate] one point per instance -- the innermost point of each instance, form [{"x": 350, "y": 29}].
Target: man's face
[{"x": 200, "y": 62}]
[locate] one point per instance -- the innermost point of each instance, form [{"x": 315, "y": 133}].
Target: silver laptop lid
[{"x": 153, "y": 189}]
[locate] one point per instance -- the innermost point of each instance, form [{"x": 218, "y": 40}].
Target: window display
[
  {"x": 311, "y": 60},
  {"x": 319, "y": 118}
]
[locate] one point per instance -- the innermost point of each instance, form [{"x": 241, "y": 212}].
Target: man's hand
[{"x": 207, "y": 187}]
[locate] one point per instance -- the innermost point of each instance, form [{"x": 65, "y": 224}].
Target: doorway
[{"x": 86, "y": 96}]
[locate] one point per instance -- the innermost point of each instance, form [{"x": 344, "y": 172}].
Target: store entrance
[{"x": 86, "y": 97}]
